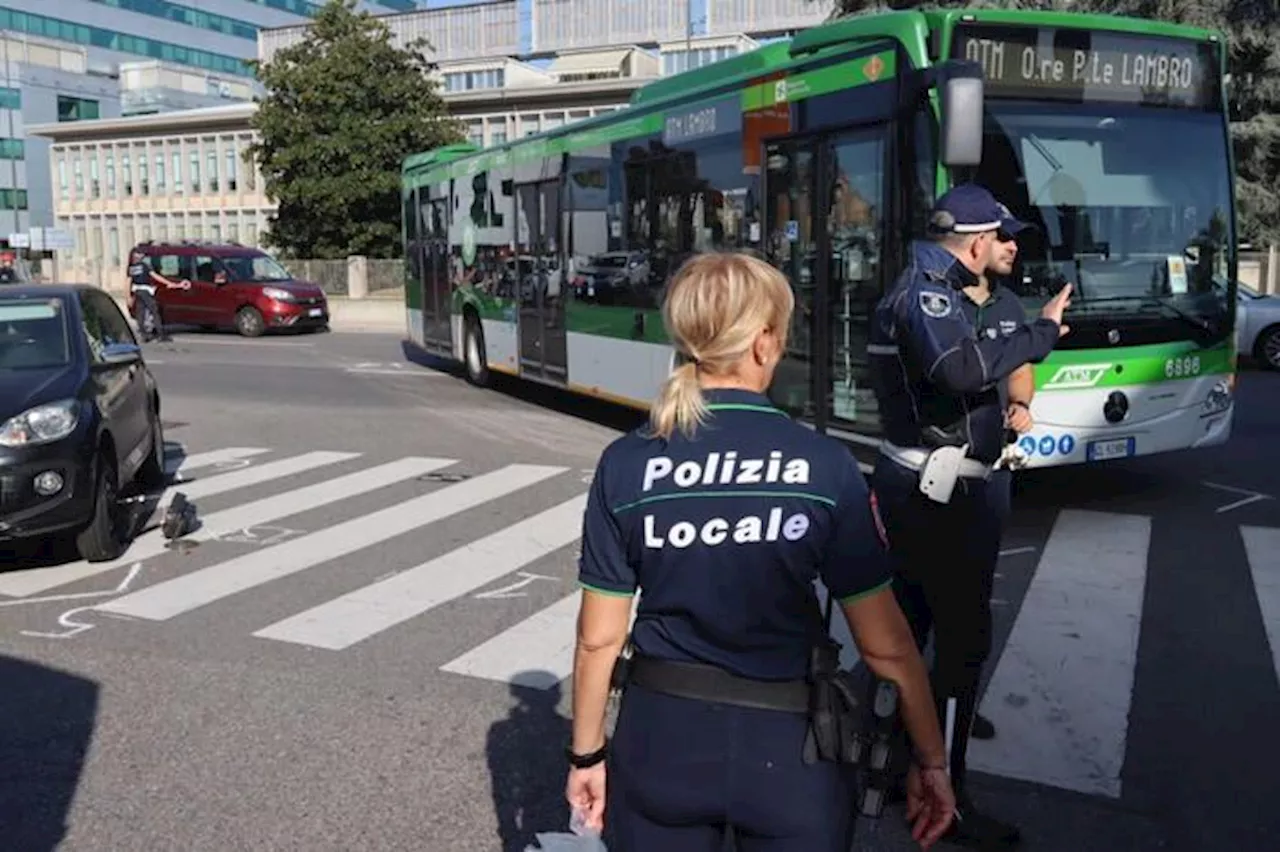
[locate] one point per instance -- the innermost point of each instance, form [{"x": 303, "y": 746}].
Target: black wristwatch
[{"x": 585, "y": 761}]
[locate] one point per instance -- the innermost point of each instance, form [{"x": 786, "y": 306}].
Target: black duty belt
[{"x": 709, "y": 683}]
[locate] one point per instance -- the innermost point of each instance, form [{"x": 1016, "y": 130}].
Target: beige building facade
[{"x": 166, "y": 176}]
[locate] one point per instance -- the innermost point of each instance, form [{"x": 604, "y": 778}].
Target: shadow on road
[
  {"x": 602, "y": 413},
  {"x": 525, "y": 752},
  {"x": 48, "y": 719}
]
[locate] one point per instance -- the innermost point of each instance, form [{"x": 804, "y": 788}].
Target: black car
[{"x": 79, "y": 418}]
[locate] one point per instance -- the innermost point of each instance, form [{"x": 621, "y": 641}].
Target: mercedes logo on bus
[{"x": 1116, "y": 407}]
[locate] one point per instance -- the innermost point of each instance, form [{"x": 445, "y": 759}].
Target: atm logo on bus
[{"x": 1077, "y": 376}]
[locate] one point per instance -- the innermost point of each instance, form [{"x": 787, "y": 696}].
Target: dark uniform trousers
[
  {"x": 677, "y": 764},
  {"x": 149, "y": 321},
  {"x": 944, "y": 558}
]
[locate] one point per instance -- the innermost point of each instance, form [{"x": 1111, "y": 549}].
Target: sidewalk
[{"x": 378, "y": 314}]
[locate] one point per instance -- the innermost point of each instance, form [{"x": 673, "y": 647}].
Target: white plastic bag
[{"x": 579, "y": 838}]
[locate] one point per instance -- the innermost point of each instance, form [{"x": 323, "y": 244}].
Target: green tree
[
  {"x": 1252, "y": 28},
  {"x": 343, "y": 108}
]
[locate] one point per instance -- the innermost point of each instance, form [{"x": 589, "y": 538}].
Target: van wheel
[
  {"x": 1268, "y": 348},
  {"x": 474, "y": 354},
  {"x": 151, "y": 474},
  {"x": 249, "y": 322},
  {"x": 103, "y": 539}
]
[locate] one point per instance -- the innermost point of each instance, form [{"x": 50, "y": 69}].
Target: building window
[
  {"x": 95, "y": 188},
  {"x": 63, "y": 190},
  {"x": 231, "y": 167},
  {"x": 10, "y": 98},
  {"x": 62, "y": 30},
  {"x": 76, "y": 109},
  {"x": 78, "y": 169},
  {"x": 12, "y": 149},
  {"x": 177, "y": 173},
  {"x": 128, "y": 176},
  {"x": 111, "y": 175},
  {"x": 159, "y": 174},
  {"x": 233, "y": 232},
  {"x": 13, "y": 199},
  {"x": 213, "y": 170},
  {"x": 187, "y": 15},
  {"x": 142, "y": 174},
  {"x": 194, "y": 174}
]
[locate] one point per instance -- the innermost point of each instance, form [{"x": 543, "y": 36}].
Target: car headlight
[
  {"x": 41, "y": 425},
  {"x": 277, "y": 294},
  {"x": 1219, "y": 398}
]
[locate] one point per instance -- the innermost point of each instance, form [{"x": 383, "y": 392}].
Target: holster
[{"x": 835, "y": 711}]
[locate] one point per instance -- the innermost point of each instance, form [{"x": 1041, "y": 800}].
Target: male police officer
[
  {"x": 940, "y": 387},
  {"x": 150, "y": 323}
]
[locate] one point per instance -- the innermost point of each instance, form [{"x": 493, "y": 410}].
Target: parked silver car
[{"x": 1258, "y": 326}]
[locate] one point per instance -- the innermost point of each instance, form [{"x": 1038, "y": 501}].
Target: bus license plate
[
  {"x": 315, "y": 312},
  {"x": 1117, "y": 448}
]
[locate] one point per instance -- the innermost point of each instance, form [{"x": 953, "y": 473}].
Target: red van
[{"x": 224, "y": 285}]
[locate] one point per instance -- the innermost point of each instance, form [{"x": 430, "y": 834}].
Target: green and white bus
[{"x": 546, "y": 258}]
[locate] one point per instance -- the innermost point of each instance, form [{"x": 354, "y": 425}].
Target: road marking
[
  {"x": 264, "y": 511},
  {"x": 537, "y": 652},
  {"x": 1262, "y": 546},
  {"x": 77, "y": 627},
  {"x": 200, "y": 588},
  {"x": 512, "y": 590},
  {"x": 354, "y": 617},
  {"x": 1061, "y": 691},
  {"x": 1254, "y": 496},
  {"x": 176, "y": 464},
  {"x": 253, "y": 475}
]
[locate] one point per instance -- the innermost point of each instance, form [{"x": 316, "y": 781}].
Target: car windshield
[
  {"x": 33, "y": 335},
  {"x": 1130, "y": 205},
  {"x": 259, "y": 267}
]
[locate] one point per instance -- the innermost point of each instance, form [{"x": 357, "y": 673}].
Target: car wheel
[
  {"x": 103, "y": 539},
  {"x": 249, "y": 322},
  {"x": 151, "y": 474},
  {"x": 473, "y": 351},
  {"x": 1268, "y": 348}
]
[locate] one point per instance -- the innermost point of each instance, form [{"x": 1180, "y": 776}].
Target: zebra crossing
[{"x": 1061, "y": 687}]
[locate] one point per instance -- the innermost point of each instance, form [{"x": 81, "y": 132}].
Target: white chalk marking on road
[
  {"x": 537, "y": 652},
  {"x": 512, "y": 590},
  {"x": 253, "y": 475},
  {"x": 1254, "y": 496},
  {"x": 227, "y": 522},
  {"x": 75, "y": 628},
  {"x": 1262, "y": 546},
  {"x": 176, "y": 464},
  {"x": 354, "y": 617},
  {"x": 1061, "y": 690},
  {"x": 200, "y": 588},
  {"x": 1014, "y": 551}
]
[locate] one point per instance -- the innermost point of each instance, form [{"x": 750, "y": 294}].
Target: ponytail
[
  {"x": 679, "y": 404},
  {"x": 715, "y": 306}
]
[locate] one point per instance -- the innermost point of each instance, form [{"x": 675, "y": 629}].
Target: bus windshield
[{"x": 1129, "y": 204}]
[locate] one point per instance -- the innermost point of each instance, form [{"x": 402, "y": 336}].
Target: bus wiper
[{"x": 1200, "y": 323}]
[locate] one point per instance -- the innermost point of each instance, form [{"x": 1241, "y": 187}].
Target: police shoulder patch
[
  {"x": 935, "y": 304},
  {"x": 875, "y": 516}
]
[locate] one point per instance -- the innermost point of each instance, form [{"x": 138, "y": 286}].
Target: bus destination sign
[{"x": 1088, "y": 65}]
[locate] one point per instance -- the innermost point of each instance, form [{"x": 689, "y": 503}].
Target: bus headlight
[{"x": 1218, "y": 400}]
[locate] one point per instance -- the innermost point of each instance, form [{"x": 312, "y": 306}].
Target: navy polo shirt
[
  {"x": 999, "y": 316},
  {"x": 724, "y": 533}
]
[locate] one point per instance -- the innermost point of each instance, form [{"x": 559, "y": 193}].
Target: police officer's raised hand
[
  {"x": 931, "y": 804},
  {"x": 1055, "y": 307}
]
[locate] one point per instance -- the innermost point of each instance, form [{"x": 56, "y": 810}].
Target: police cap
[{"x": 972, "y": 209}]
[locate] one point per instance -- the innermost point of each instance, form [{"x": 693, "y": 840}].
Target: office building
[{"x": 74, "y": 60}]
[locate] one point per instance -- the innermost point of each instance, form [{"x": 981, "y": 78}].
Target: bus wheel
[{"x": 473, "y": 344}]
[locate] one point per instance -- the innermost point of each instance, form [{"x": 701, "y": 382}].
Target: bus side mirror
[{"x": 961, "y": 90}]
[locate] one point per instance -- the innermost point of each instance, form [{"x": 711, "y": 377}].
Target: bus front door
[{"x": 540, "y": 281}]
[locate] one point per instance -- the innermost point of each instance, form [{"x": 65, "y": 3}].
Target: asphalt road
[{"x": 366, "y": 644}]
